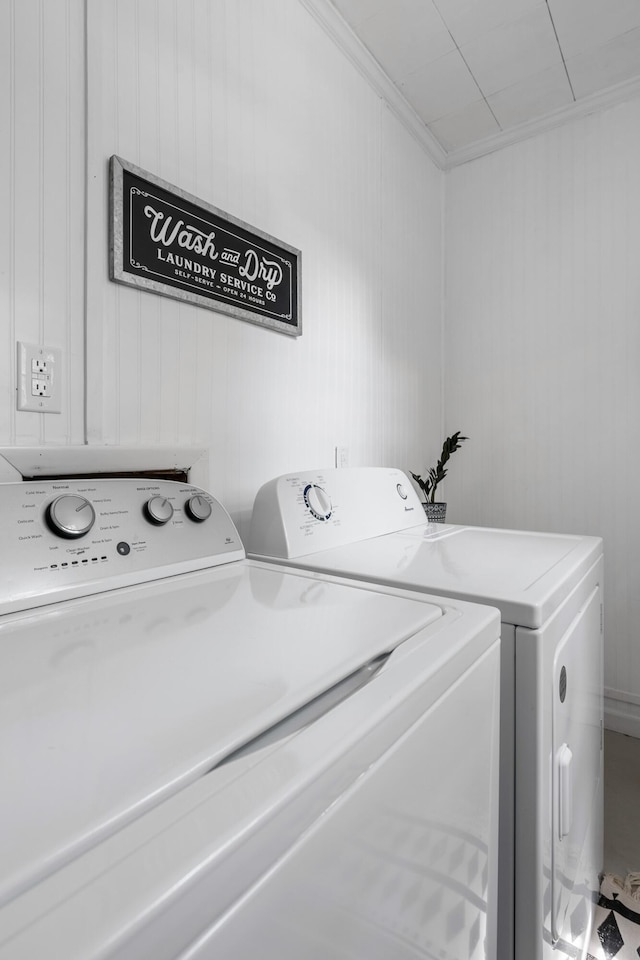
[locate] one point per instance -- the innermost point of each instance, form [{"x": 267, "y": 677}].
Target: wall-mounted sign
[{"x": 169, "y": 242}]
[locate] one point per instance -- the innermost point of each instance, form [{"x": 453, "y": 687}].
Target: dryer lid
[
  {"x": 374, "y": 528},
  {"x": 112, "y": 703},
  {"x": 526, "y": 574}
]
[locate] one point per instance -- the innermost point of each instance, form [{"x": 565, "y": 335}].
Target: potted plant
[{"x": 438, "y": 511}]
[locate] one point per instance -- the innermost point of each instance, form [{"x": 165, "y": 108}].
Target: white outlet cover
[
  {"x": 342, "y": 457},
  {"x": 39, "y": 392}
]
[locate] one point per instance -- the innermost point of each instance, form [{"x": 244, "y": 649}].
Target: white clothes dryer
[
  {"x": 207, "y": 756},
  {"x": 369, "y": 524}
]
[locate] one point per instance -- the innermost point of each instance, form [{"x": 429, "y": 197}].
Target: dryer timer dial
[{"x": 318, "y": 501}]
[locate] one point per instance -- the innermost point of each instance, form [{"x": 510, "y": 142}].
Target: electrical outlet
[
  {"x": 342, "y": 456},
  {"x": 38, "y": 382},
  {"x": 40, "y": 388}
]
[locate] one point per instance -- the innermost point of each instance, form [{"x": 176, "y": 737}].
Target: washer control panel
[{"x": 66, "y": 538}]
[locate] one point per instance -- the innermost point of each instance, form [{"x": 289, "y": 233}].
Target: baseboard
[{"x": 622, "y": 712}]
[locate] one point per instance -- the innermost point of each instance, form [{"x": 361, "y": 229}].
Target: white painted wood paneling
[
  {"x": 42, "y": 182},
  {"x": 253, "y": 108},
  {"x": 543, "y": 349}
]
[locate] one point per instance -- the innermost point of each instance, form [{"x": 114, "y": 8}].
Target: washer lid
[
  {"x": 525, "y": 574},
  {"x": 112, "y": 703}
]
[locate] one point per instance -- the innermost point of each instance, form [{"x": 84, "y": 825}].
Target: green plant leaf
[{"x": 437, "y": 474}]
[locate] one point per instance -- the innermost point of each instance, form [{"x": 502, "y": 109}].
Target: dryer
[
  {"x": 369, "y": 524},
  {"x": 205, "y": 756}
]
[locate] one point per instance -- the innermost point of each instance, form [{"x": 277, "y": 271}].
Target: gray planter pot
[{"x": 435, "y": 512}]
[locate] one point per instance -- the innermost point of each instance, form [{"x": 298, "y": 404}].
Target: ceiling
[{"x": 474, "y": 70}]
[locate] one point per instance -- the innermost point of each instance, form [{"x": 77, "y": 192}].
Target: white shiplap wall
[
  {"x": 42, "y": 189},
  {"x": 251, "y": 107},
  {"x": 542, "y": 354}
]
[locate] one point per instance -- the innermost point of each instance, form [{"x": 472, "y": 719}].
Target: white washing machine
[
  {"x": 205, "y": 756},
  {"x": 369, "y": 524}
]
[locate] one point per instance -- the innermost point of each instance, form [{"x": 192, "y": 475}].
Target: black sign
[{"x": 168, "y": 242}]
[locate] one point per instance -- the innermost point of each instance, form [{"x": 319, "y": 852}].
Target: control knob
[
  {"x": 318, "y": 502},
  {"x": 158, "y": 510},
  {"x": 70, "y": 516},
  {"x": 198, "y": 508}
]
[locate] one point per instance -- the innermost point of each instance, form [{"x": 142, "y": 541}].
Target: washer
[
  {"x": 369, "y": 524},
  {"x": 207, "y": 756}
]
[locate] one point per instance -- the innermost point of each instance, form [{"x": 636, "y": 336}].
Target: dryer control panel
[
  {"x": 303, "y": 513},
  {"x": 66, "y": 538}
]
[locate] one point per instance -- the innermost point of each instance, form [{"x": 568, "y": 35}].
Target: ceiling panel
[
  {"x": 585, "y": 24},
  {"x": 356, "y": 12},
  {"x": 441, "y": 87},
  {"x": 472, "y": 69},
  {"x": 400, "y": 51},
  {"x": 532, "y": 98},
  {"x": 599, "y": 68},
  {"x": 469, "y": 19},
  {"x": 475, "y": 120},
  {"x": 513, "y": 51}
]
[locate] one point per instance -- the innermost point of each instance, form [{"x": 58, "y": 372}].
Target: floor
[
  {"x": 621, "y": 804},
  {"x": 616, "y": 930}
]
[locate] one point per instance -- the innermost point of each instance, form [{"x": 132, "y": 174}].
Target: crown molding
[
  {"x": 343, "y": 36},
  {"x": 595, "y": 103}
]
